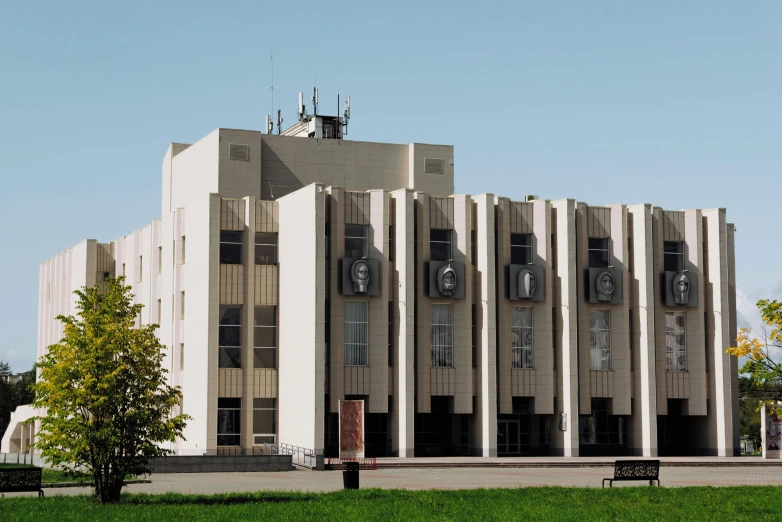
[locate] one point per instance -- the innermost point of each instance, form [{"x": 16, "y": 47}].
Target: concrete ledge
[{"x": 221, "y": 463}]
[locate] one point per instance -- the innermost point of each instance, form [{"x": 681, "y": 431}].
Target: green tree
[
  {"x": 13, "y": 394},
  {"x": 761, "y": 350},
  {"x": 109, "y": 406}
]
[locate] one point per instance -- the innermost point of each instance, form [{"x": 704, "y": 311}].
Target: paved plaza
[{"x": 439, "y": 478}]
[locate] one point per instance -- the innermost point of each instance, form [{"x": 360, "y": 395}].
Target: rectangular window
[
  {"x": 265, "y": 248},
  {"x": 159, "y": 259},
  {"x": 598, "y": 252},
  {"x": 600, "y": 339},
  {"x": 473, "y": 248},
  {"x": 391, "y": 243},
  {"x": 474, "y": 333},
  {"x": 182, "y": 307},
  {"x": 159, "y": 311},
  {"x": 231, "y": 247},
  {"x": 442, "y": 336},
  {"x": 265, "y": 337},
  {"x": 521, "y": 249},
  {"x": 230, "y": 336},
  {"x": 229, "y": 421},
  {"x": 264, "y": 421},
  {"x": 553, "y": 251},
  {"x": 356, "y": 333},
  {"x": 123, "y": 269},
  {"x": 673, "y": 256},
  {"x": 140, "y": 268},
  {"x": 181, "y": 357},
  {"x": 183, "y": 250},
  {"x": 390, "y": 333},
  {"x": 675, "y": 341},
  {"x": 356, "y": 241},
  {"x": 521, "y": 337},
  {"x": 440, "y": 247}
]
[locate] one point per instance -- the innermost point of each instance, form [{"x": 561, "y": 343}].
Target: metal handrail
[{"x": 302, "y": 456}]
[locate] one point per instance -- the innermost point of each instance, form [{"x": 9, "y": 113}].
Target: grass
[{"x": 561, "y": 504}]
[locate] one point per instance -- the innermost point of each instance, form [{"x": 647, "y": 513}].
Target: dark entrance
[
  {"x": 602, "y": 434},
  {"x": 442, "y": 433},
  {"x": 678, "y": 432},
  {"x": 523, "y": 432}
]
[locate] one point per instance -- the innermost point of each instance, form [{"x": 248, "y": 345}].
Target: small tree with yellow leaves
[
  {"x": 109, "y": 406},
  {"x": 762, "y": 352}
]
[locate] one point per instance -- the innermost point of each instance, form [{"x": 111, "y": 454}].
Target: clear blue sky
[{"x": 673, "y": 103}]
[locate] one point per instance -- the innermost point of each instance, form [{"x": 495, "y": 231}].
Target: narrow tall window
[
  {"x": 356, "y": 241},
  {"x": 264, "y": 421},
  {"x": 181, "y": 357},
  {"x": 598, "y": 252},
  {"x": 676, "y": 341},
  {"x": 440, "y": 244},
  {"x": 442, "y": 335},
  {"x": 123, "y": 269},
  {"x": 600, "y": 339},
  {"x": 390, "y": 333},
  {"x": 159, "y": 311},
  {"x": 265, "y": 248},
  {"x": 182, "y": 307},
  {"x": 356, "y": 333},
  {"x": 265, "y": 337},
  {"x": 183, "y": 250},
  {"x": 229, "y": 421},
  {"x": 473, "y": 248},
  {"x": 520, "y": 249},
  {"x": 231, "y": 247},
  {"x": 140, "y": 268},
  {"x": 159, "y": 259},
  {"x": 521, "y": 337},
  {"x": 673, "y": 256},
  {"x": 391, "y": 243},
  {"x": 230, "y": 336}
]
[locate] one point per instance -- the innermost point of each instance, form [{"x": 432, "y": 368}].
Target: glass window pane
[
  {"x": 263, "y": 421},
  {"x": 356, "y": 335},
  {"x": 264, "y": 403},
  {"x": 265, "y": 315},
  {"x": 230, "y": 358},
  {"x": 265, "y": 255},
  {"x": 229, "y": 402},
  {"x": 266, "y": 238},
  {"x": 598, "y": 243},
  {"x": 265, "y": 337},
  {"x": 230, "y": 336},
  {"x": 230, "y": 314},
  {"x": 264, "y": 357},
  {"x": 521, "y": 239}
]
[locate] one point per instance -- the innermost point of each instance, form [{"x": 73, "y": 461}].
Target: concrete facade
[{"x": 252, "y": 248}]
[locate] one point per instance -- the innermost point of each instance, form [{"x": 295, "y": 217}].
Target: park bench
[
  {"x": 15, "y": 480},
  {"x": 635, "y": 470}
]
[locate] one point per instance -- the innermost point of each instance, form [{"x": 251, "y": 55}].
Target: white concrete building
[{"x": 288, "y": 273}]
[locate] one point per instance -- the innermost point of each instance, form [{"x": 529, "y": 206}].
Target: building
[{"x": 290, "y": 272}]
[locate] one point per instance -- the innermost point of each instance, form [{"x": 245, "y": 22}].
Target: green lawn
[{"x": 560, "y": 504}]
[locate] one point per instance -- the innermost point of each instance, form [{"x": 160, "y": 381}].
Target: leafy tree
[
  {"x": 13, "y": 394},
  {"x": 763, "y": 364},
  {"x": 109, "y": 407}
]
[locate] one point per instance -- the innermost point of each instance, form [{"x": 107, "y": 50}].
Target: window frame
[
  {"x": 600, "y": 364},
  {"x": 235, "y": 413},
  {"x": 593, "y": 247},
  {"x": 273, "y": 434},
  {"x": 224, "y": 348},
  {"x": 522, "y": 353},
  {"x": 364, "y": 238},
  {"x": 256, "y": 344},
  {"x": 441, "y": 338},
  {"x": 448, "y": 242},
  {"x": 356, "y": 342},
  {"x": 678, "y": 254},
  {"x": 225, "y": 249},
  {"x": 267, "y": 245},
  {"x": 521, "y": 249},
  {"x": 673, "y": 350}
]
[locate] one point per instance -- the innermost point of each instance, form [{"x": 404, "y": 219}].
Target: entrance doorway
[{"x": 508, "y": 437}]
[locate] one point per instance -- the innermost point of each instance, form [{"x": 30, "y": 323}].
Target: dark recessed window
[
  {"x": 230, "y": 336},
  {"x": 356, "y": 241},
  {"x": 230, "y": 247},
  {"x": 673, "y": 256},
  {"x": 440, "y": 248},
  {"x": 598, "y": 252},
  {"x": 264, "y": 425},
  {"x": 229, "y": 421},
  {"x": 265, "y": 248},
  {"x": 265, "y": 337},
  {"x": 521, "y": 249}
]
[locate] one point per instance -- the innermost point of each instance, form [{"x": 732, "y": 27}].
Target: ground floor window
[
  {"x": 229, "y": 421},
  {"x": 264, "y": 421},
  {"x": 600, "y": 427}
]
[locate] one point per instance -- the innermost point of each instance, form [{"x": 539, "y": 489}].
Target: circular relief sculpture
[
  {"x": 605, "y": 286},
  {"x": 681, "y": 289},
  {"x": 359, "y": 274},
  {"x": 446, "y": 280},
  {"x": 527, "y": 283}
]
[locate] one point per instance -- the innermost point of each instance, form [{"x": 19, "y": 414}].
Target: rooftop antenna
[
  {"x": 346, "y": 115},
  {"x": 315, "y": 101},
  {"x": 279, "y": 121},
  {"x": 269, "y": 123},
  {"x": 302, "y": 109}
]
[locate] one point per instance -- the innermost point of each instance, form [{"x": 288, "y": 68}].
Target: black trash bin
[{"x": 350, "y": 475}]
